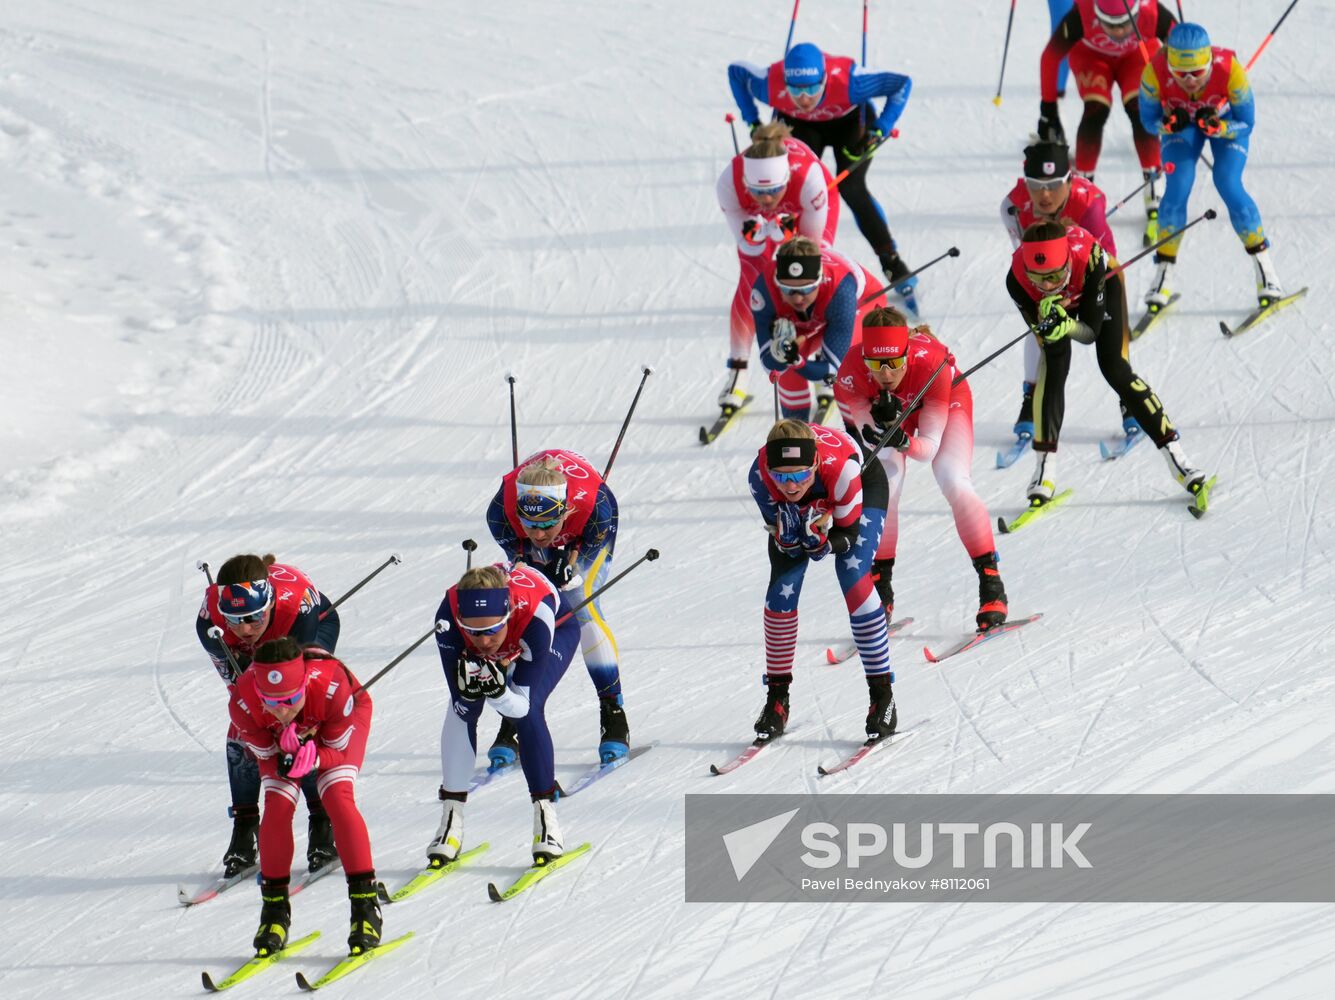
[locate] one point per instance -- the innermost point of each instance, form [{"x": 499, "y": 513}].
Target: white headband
[{"x": 770, "y": 172}]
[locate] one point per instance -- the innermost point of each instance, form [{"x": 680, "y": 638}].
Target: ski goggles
[
  {"x": 1194, "y": 75},
  {"x": 1049, "y": 184},
  {"x": 486, "y": 630},
  {"x": 1050, "y": 279},
  {"x": 787, "y": 478},
  {"x": 541, "y": 525},
  {"x": 811, "y": 90},
  {"x": 876, "y": 364},
  {"x": 795, "y": 290},
  {"x": 254, "y": 618},
  {"x": 289, "y": 701},
  {"x": 767, "y": 192}
]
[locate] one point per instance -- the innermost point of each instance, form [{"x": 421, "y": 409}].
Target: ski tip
[
  {"x": 931, "y": 657},
  {"x": 704, "y": 435},
  {"x": 820, "y": 769},
  {"x": 1002, "y": 526},
  {"x": 493, "y": 892},
  {"x": 1103, "y": 450},
  {"x": 304, "y": 984},
  {"x": 1195, "y": 511},
  {"x": 713, "y": 769},
  {"x": 208, "y": 982},
  {"x": 1223, "y": 328}
]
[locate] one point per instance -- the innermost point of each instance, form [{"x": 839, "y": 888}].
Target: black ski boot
[
  {"x": 275, "y": 918},
  {"x": 991, "y": 594},
  {"x": 881, "y": 571},
  {"x": 882, "y": 715},
  {"x": 242, "y": 852},
  {"x": 1024, "y": 423},
  {"x": 505, "y": 747},
  {"x": 614, "y": 730},
  {"x": 774, "y": 716},
  {"x": 366, "y": 920},
  {"x": 320, "y": 850}
]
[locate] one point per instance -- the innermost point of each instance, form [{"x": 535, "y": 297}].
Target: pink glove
[
  {"x": 288, "y": 740},
  {"x": 307, "y": 759}
]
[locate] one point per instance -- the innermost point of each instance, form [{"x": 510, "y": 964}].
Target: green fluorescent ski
[
  {"x": 430, "y": 876},
  {"x": 351, "y": 964},
  {"x": 535, "y": 874},
  {"x": 1035, "y": 510},
  {"x": 257, "y": 965},
  {"x": 1201, "y": 504}
]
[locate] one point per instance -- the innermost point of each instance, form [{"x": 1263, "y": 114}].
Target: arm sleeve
[
  {"x": 1151, "y": 110},
  {"x": 449, "y": 643},
  {"x": 1095, "y": 222},
  {"x": 1094, "y": 298},
  {"x": 894, "y": 87},
  {"x": 213, "y": 647},
  {"x": 599, "y": 529},
  {"x": 840, "y": 317},
  {"x": 815, "y": 201},
  {"x": 342, "y": 717},
  {"x": 1027, "y": 306},
  {"x": 764, "y": 320},
  {"x": 1010, "y": 220},
  {"x": 1164, "y": 24},
  {"x": 1242, "y": 113},
  {"x": 501, "y": 528},
  {"x": 259, "y": 741},
  {"x": 304, "y": 625},
  {"x": 749, "y": 84},
  {"x": 769, "y": 510},
  {"x": 1063, "y": 39},
  {"x": 847, "y": 495},
  {"x": 925, "y": 442},
  {"x": 736, "y": 215}
]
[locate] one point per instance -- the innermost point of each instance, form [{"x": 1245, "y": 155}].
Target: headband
[
  {"x": 795, "y": 268},
  {"x": 770, "y": 172},
  {"x": 885, "y": 341},
  {"x": 483, "y": 603},
  {"x": 790, "y": 451},
  {"x": 1046, "y": 255}
]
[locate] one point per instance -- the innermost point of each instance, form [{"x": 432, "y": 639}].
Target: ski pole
[
  {"x": 216, "y": 634},
  {"x": 791, "y": 25},
  {"x": 1005, "y": 51},
  {"x": 626, "y": 423},
  {"x": 872, "y": 296},
  {"x": 864, "y": 34},
  {"x": 866, "y": 158},
  {"x": 731, "y": 119},
  {"x": 1167, "y": 168},
  {"x": 514, "y": 429},
  {"x": 913, "y": 405},
  {"x": 1180, "y": 15},
  {"x": 1269, "y": 35},
  {"x": 1140, "y": 39},
  {"x": 470, "y": 547},
  {"x": 203, "y": 567},
  {"x": 441, "y": 627},
  {"x": 393, "y": 560},
  {"x": 649, "y": 556}
]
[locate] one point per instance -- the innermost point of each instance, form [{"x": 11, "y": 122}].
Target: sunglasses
[
  {"x": 876, "y": 364},
  {"x": 810, "y": 90},
  {"x": 488, "y": 630},
  {"x": 769, "y": 191},
  {"x": 1054, "y": 184},
  {"x": 541, "y": 525},
  {"x": 795, "y": 290},
  {"x": 1050, "y": 279},
  {"x": 251, "y": 619},
  {"x": 792, "y": 477},
  {"x": 1190, "y": 74},
  {"x": 291, "y": 700}
]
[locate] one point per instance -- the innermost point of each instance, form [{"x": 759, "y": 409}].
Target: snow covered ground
[{"x": 264, "y": 266}]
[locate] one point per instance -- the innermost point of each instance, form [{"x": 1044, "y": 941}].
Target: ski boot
[
  {"x": 1041, "y": 486},
  {"x": 882, "y": 715},
  {"x": 881, "y": 572},
  {"x": 733, "y": 394},
  {"x": 275, "y": 918},
  {"x": 774, "y": 716},
  {"x": 242, "y": 851},
  {"x": 450, "y": 834},
  {"x": 613, "y": 729},
  {"x": 991, "y": 594},
  {"x": 1130, "y": 425},
  {"x": 320, "y": 850},
  {"x": 897, "y": 273},
  {"x": 824, "y": 403},
  {"x": 505, "y": 747},
  {"x": 1268, "y": 289},
  {"x": 1159, "y": 294},
  {"x": 366, "y": 924},
  {"x": 1188, "y": 476},
  {"x": 1151, "y": 206},
  {"x": 1024, "y": 423},
  {"x": 547, "y": 843}
]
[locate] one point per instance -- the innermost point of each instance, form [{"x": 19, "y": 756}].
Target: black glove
[
  {"x": 560, "y": 571},
  {"x": 1178, "y": 120},
  {"x": 749, "y": 229},
  {"x": 1207, "y": 120},
  {"x": 479, "y": 678},
  {"x": 885, "y": 409},
  {"x": 788, "y": 225},
  {"x": 1050, "y": 122}
]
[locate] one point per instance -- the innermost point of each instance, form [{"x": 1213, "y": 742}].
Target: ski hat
[
  {"x": 1115, "y": 11},
  {"x": 278, "y": 681},
  {"x": 885, "y": 341},
  {"x": 1046, "y": 161},
  {"x": 540, "y": 503},
  {"x": 241, "y": 600},
  {"x": 804, "y": 65},
  {"x": 1189, "y": 48},
  {"x": 1043, "y": 255}
]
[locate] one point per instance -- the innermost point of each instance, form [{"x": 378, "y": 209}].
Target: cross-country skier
[
  {"x": 808, "y": 319},
  {"x": 1048, "y": 190},
  {"x": 256, "y": 599},
  {"x": 301, "y": 712},
  {"x": 1058, "y": 9},
  {"x": 1105, "y": 51},
  {"x": 1192, "y": 92},
  {"x": 816, "y": 503},
  {"x": 873, "y": 387},
  {"x": 1059, "y": 281},
  {"x": 555, "y": 514},
  {"x": 827, "y": 100},
  {"x": 505, "y": 646},
  {"x": 774, "y": 190}
]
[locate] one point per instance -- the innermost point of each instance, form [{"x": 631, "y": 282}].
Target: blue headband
[{"x": 484, "y": 603}]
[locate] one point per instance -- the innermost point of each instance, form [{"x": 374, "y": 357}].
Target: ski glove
[
  {"x": 789, "y": 527},
  {"x": 303, "y": 762},
  {"x": 289, "y": 741},
  {"x": 1054, "y": 323},
  {"x": 1177, "y": 120},
  {"x": 1050, "y": 122},
  {"x": 560, "y": 571},
  {"x": 478, "y": 678},
  {"x": 886, "y": 408},
  {"x": 1207, "y": 120},
  {"x": 753, "y": 230},
  {"x": 783, "y": 342},
  {"x": 862, "y": 149},
  {"x": 787, "y": 226},
  {"x": 815, "y": 540}
]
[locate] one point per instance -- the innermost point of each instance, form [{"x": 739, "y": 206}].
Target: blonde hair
[
  {"x": 788, "y": 428},
  {"x": 484, "y": 578},
  {"x": 799, "y": 246},
  {"x": 767, "y": 141},
  {"x": 885, "y": 316},
  {"x": 544, "y": 471}
]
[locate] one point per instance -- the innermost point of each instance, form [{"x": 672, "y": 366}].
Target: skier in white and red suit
[
  {"x": 300, "y": 711},
  {"x": 808, "y": 319},
  {"x": 776, "y": 189},
  {"x": 872, "y": 390}
]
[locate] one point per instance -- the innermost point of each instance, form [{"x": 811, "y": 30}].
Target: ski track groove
[
  {"x": 1191, "y": 662},
  {"x": 964, "y": 714},
  {"x": 1023, "y": 938}
]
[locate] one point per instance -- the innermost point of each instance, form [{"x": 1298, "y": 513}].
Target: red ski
[
  {"x": 866, "y": 748},
  {"x": 979, "y": 639},
  {"x": 848, "y": 650}
]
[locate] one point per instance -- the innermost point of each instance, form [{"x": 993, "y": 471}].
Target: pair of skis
[
  {"x": 1263, "y": 311},
  {"x": 862, "y": 752},
  {"x": 340, "y": 969},
  {"x": 222, "y": 884}
]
